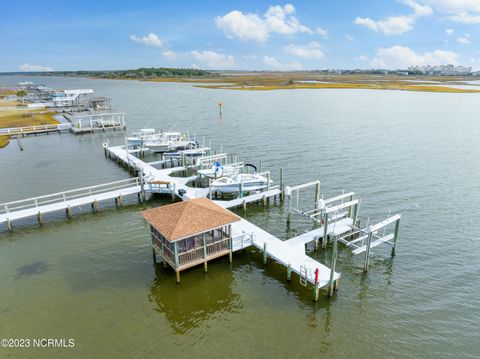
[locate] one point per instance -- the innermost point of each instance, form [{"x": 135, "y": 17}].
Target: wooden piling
[
  {"x": 40, "y": 217},
  {"x": 154, "y": 255},
  {"x": 395, "y": 237},
  {"x": 367, "y": 252},
  {"x": 333, "y": 265},
  {"x": 317, "y": 194},
  {"x": 282, "y": 189},
  {"x": 9, "y": 225},
  {"x": 289, "y": 273},
  {"x": 264, "y": 252},
  {"x": 177, "y": 273},
  {"x": 244, "y": 204},
  {"x": 68, "y": 212}
]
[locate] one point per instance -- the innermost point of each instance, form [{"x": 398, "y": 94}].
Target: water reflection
[
  {"x": 200, "y": 297},
  {"x": 31, "y": 269}
]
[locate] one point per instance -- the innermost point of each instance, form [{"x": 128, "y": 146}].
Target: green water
[{"x": 92, "y": 278}]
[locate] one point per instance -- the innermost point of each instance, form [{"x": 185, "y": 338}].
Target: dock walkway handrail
[
  {"x": 34, "y": 202},
  {"x": 31, "y": 129}
]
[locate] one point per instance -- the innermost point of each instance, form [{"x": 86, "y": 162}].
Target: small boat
[
  {"x": 170, "y": 141},
  {"x": 218, "y": 170},
  {"x": 195, "y": 152},
  {"x": 249, "y": 181},
  {"x": 143, "y": 136}
]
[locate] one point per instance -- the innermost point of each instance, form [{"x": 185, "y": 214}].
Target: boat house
[{"x": 189, "y": 233}]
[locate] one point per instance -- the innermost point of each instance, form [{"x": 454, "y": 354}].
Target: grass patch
[
  {"x": 289, "y": 80},
  {"x": 4, "y": 140},
  {"x": 17, "y": 118},
  {"x": 367, "y": 86}
]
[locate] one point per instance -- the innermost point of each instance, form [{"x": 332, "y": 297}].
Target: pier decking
[{"x": 92, "y": 195}]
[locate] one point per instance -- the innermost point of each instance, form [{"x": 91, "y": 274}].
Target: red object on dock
[{"x": 316, "y": 276}]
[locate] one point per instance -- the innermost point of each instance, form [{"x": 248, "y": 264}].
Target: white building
[{"x": 442, "y": 70}]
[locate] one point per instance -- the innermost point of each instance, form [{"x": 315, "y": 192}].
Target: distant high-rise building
[{"x": 441, "y": 70}]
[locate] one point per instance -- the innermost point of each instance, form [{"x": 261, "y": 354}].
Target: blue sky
[{"x": 241, "y": 35}]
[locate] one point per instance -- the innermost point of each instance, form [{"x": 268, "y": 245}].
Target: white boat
[
  {"x": 249, "y": 181},
  {"x": 170, "y": 141},
  {"x": 195, "y": 152},
  {"x": 143, "y": 136},
  {"x": 218, "y": 170}
]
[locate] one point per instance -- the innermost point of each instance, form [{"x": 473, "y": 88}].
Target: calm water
[{"x": 92, "y": 278}]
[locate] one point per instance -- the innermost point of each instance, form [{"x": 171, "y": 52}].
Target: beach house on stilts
[{"x": 189, "y": 233}]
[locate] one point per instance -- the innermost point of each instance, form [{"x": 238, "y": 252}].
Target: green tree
[{"x": 22, "y": 93}]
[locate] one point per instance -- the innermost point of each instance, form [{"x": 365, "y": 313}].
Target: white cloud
[
  {"x": 396, "y": 25},
  {"x": 419, "y": 9},
  {"x": 465, "y": 11},
  {"x": 466, "y": 18},
  {"x": 322, "y": 32},
  {"x": 454, "y": 6},
  {"x": 28, "y": 67},
  {"x": 278, "y": 19},
  {"x": 348, "y": 37},
  {"x": 214, "y": 60},
  {"x": 449, "y": 32},
  {"x": 311, "y": 51},
  {"x": 169, "y": 54},
  {"x": 465, "y": 40},
  {"x": 150, "y": 40},
  {"x": 272, "y": 62},
  {"x": 249, "y": 57},
  {"x": 245, "y": 27},
  {"x": 399, "y": 57}
]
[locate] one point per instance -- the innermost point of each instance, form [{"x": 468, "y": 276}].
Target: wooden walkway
[
  {"x": 35, "y": 130},
  {"x": 37, "y": 206}
]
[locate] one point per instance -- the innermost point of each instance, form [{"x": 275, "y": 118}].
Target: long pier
[
  {"x": 337, "y": 217},
  {"x": 66, "y": 200}
]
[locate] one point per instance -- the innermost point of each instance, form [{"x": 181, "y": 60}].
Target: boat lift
[{"x": 334, "y": 213}]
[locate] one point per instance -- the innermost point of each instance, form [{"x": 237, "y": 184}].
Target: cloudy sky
[{"x": 240, "y": 35}]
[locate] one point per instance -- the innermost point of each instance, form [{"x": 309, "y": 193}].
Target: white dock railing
[
  {"x": 64, "y": 196},
  {"x": 242, "y": 240},
  {"x": 34, "y": 129}
]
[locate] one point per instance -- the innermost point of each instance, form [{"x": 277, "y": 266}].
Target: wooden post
[
  {"x": 367, "y": 251},
  {"x": 40, "y": 217},
  {"x": 154, "y": 255},
  {"x": 350, "y": 209},
  {"x": 289, "y": 207},
  {"x": 264, "y": 252},
  {"x": 316, "y": 291},
  {"x": 175, "y": 251},
  {"x": 209, "y": 188},
  {"x": 9, "y": 225},
  {"x": 177, "y": 273},
  {"x": 317, "y": 194},
  {"x": 172, "y": 190},
  {"x": 289, "y": 273},
  {"x": 68, "y": 212},
  {"x": 244, "y": 203},
  {"x": 268, "y": 180},
  {"x": 333, "y": 265},
  {"x": 264, "y": 200},
  {"x": 142, "y": 185},
  {"x": 205, "y": 254},
  {"x": 325, "y": 231},
  {"x": 395, "y": 237},
  {"x": 281, "y": 185}
]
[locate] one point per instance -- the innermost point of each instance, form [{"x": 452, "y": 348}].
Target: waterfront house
[{"x": 189, "y": 233}]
